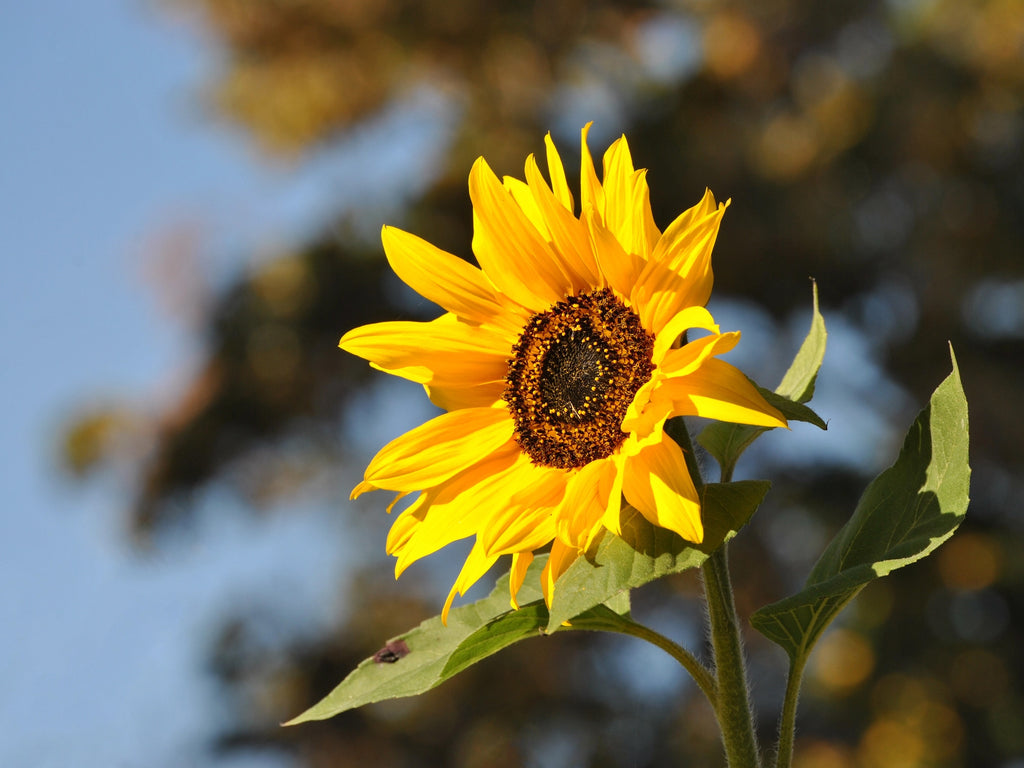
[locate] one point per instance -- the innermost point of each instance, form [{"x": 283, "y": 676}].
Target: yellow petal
[
  {"x": 680, "y": 232},
  {"x": 678, "y": 274},
  {"x": 688, "y": 358},
  {"x": 719, "y": 391},
  {"x": 567, "y": 234},
  {"x": 464, "y": 505},
  {"x": 524, "y": 198},
  {"x": 627, "y": 201},
  {"x": 618, "y": 267},
  {"x": 586, "y": 499},
  {"x": 509, "y": 248},
  {"x": 517, "y": 574},
  {"x": 446, "y": 280},
  {"x": 439, "y": 449},
  {"x": 559, "y": 560},
  {"x": 443, "y": 352},
  {"x": 691, "y": 317},
  {"x": 452, "y": 397},
  {"x": 526, "y": 519},
  {"x": 591, "y": 193},
  {"x": 557, "y": 173},
  {"x": 406, "y": 524},
  {"x": 645, "y": 417},
  {"x": 647, "y": 234},
  {"x": 612, "y": 517},
  {"x": 657, "y": 482},
  {"x": 361, "y": 488},
  {"x": 398, "y": 497},
  {"x": 618, "y": 182},
  {"x": 476, "y": 565}
]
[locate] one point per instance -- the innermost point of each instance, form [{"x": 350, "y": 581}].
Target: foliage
[{"x": 906, "y": 512}]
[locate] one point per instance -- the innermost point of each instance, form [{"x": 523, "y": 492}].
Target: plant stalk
[
  {"x": 734, "y": 714},
  {"x": 787, "y": 722}
]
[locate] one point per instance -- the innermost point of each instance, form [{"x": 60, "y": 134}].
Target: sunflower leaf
[
  {"x": 791, "y": 409},
  {"x": 433, "y": 652},
  {"x": 529, "y": 621},
  {"x": 727, "y": 442},
  {"x": 904, "y": 514},
  {"x": 798, "y": 383},
  {"x": 646, "y": 552}
]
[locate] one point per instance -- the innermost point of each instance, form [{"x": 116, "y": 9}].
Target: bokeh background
[{"x": 191, "y": 193}]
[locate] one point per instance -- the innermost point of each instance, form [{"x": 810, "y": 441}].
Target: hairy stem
[
  {"x": 787, "y": 722},
  {"x": 734, "y": 714}
]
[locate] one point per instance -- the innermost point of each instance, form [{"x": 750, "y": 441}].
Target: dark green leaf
[
  {"x": 904, "y": 514},
  {"x": 646, "y": 552},
  {"x": 727, "y": 442}
]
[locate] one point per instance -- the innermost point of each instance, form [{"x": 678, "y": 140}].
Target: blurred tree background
[{"x": 876, "y": 146}]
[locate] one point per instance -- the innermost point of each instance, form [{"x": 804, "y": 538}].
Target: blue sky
[{"x": 101, "y": 144}]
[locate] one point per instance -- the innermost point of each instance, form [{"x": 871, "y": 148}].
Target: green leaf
[
  {"x": 646, "y": 552},
  {"x": 798, "y": 383},
  {"x": 904, "y": 514},
  {"x": 791, "y": 409},
  {"x": 529, "y": 621},
  {"x": 727, "y": 442},
  {"x": 431, "y": 644},
  {"x": 438, "y": 652}
]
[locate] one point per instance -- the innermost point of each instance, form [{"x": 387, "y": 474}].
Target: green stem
[
  {"x": 735, "y": 717},
  {"x": 734, "y": 714},
  {"x": 704, "y": 679},
  {"x": 787, "y": 722}
]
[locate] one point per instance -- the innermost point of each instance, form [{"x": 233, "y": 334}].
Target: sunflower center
[{"x": 573, "y": 374}]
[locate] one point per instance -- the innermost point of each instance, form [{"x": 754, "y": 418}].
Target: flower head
[{"x": 558, "y": 361}]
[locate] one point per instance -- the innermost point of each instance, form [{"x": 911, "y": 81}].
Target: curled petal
[
  {"x": 517, "y": 574},
  {"x": 691, "y": 317},
  {"x": 646, "y": 234},
  {"x": 453, "y": 397}
]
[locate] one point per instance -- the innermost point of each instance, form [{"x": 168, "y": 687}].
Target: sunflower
[{"x": 557, "y": 362}]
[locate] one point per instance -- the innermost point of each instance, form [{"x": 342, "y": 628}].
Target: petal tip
[{"x": 360, "y": 489}]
